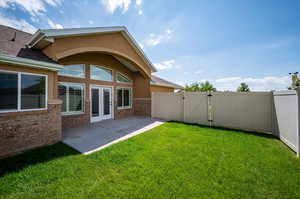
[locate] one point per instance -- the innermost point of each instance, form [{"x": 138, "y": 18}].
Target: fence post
[
  {"x": 298, "y": 136},
  {"x": 184, "y": 105},
  {"x": 209, "y": 108},
  {"x": 275, "y": 130}
]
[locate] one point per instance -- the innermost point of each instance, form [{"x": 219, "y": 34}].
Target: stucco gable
[{"x": 116, "y": 41}]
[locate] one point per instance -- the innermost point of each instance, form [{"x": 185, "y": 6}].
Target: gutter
[{"x": 19, "y": 61}]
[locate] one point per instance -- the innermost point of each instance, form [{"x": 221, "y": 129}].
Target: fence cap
[{"x": 285, "y": 92}]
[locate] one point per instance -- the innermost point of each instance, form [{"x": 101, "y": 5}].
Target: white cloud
[
  {"x": 155, "y": 39},
  {"x": 34, "y": 7},
  {"x": 255, "y": 84},
  {"x": 138, "y": 2},
  {"x": 91, "y": 22},
  {"x": 198, "y": 72},
  {"x": 167, "y": 65},
  {"x": 112, "y": 5},
  {"x": 54, "y": 25},
  {"x": 34, "y": 19},
  {"x": 54, "y": 2},
  {"x": 18, "y": 24}
]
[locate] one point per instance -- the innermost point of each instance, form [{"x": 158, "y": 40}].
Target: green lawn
[{"x": 171, "y": 161}]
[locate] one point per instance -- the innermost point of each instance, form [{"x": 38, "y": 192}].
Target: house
[
  {"x": 160, "y": 85},
  {"x": 63, "y": 78}
]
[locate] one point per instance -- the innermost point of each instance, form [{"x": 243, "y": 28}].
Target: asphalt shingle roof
[
  {"x": 13, "y": 42},
  {"x": 160, "y": 81}
]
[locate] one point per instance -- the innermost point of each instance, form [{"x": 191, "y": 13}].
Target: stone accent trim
[{"x": 21, "y": 131}]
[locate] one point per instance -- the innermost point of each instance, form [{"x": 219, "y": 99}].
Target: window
[
  {"x": 22, "y": 91},
  {"x": 124, "y": 98},
  {"x": 33, "y": 91},
  {"x": 123, "y": 79},
  {"x": 72, "y": 96},
  {"x": 73, "y": 70},
  {"x": 101, "y": 73}
]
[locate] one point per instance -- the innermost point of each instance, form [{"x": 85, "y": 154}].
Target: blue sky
[{"x": 224, "y": 41}]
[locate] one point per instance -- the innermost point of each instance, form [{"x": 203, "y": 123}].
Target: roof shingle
[{"x": 13, "y": 42}]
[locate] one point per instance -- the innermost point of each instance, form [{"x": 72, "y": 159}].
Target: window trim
[
  {"x": 67, "y": 84},
  {"x": 119, "y": 73},
  {"x": 130, "y": 98},
  {"x": 66, "y": 75},
  {"x": 19, "y": 73},
  {"x": 95, "y": 65}
]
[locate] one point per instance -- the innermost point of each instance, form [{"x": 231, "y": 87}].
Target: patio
[{"x": 96, "y": 136}]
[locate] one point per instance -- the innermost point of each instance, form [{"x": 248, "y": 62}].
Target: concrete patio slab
[{"x": 96, "y": 136}]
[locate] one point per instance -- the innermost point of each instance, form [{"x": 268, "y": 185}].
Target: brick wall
[
  {"x": 26, "y": 130},
  {"x": 142, "y": 106},
  {"x": 76, "y": 120},
  {"x": 123, "y": 113}
]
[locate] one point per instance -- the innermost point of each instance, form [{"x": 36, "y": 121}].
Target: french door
[{"x": 101, "y": 103}]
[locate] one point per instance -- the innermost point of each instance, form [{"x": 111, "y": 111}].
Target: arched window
[
  {"x": 123, "y": 79},
  {"x": 76, "y": 70},
  {"x": 101, "y": 73}
]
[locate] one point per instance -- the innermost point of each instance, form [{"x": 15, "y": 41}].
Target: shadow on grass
[
  {"x": 33, "y": 157},
  {"x": 261, "y": 134}
]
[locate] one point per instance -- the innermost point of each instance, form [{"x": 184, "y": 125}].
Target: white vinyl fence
[
  {"x": 287, "y": 117},
  {"x": 253, "y": 111}
]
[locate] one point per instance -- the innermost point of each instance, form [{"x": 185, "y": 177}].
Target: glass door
[
  {"x": 95, "y": 108},
  {"x": 101, "y": 103},
  {"x": 106, "y": 103}
]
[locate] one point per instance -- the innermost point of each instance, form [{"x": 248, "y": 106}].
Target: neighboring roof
[
  {"x": 157, "y": 81},
  {"x": 43, "y": 38},
  {"x": 13, "y": 43}
]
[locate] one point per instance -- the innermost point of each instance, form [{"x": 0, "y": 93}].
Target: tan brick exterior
[
  {"x": 76, "y": 120},
  {"x": 21, "y": 131},
  {"x": 142, "y": 106}
]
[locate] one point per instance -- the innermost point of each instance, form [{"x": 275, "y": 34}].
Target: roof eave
[{"x": 19, "y": 61}]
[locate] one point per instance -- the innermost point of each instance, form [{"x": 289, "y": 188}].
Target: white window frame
[
  {"x": 130, "y": 98},
  {"x": 66, "y": 75},
  {"x": 67, "y": 84},
  {"x": 118, "y": 73},
  {"x": 112, "y": 73},
  {"x": 19, "y": 109}
]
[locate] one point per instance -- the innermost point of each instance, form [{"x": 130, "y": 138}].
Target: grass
[{"x": 171, "y": 161}]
